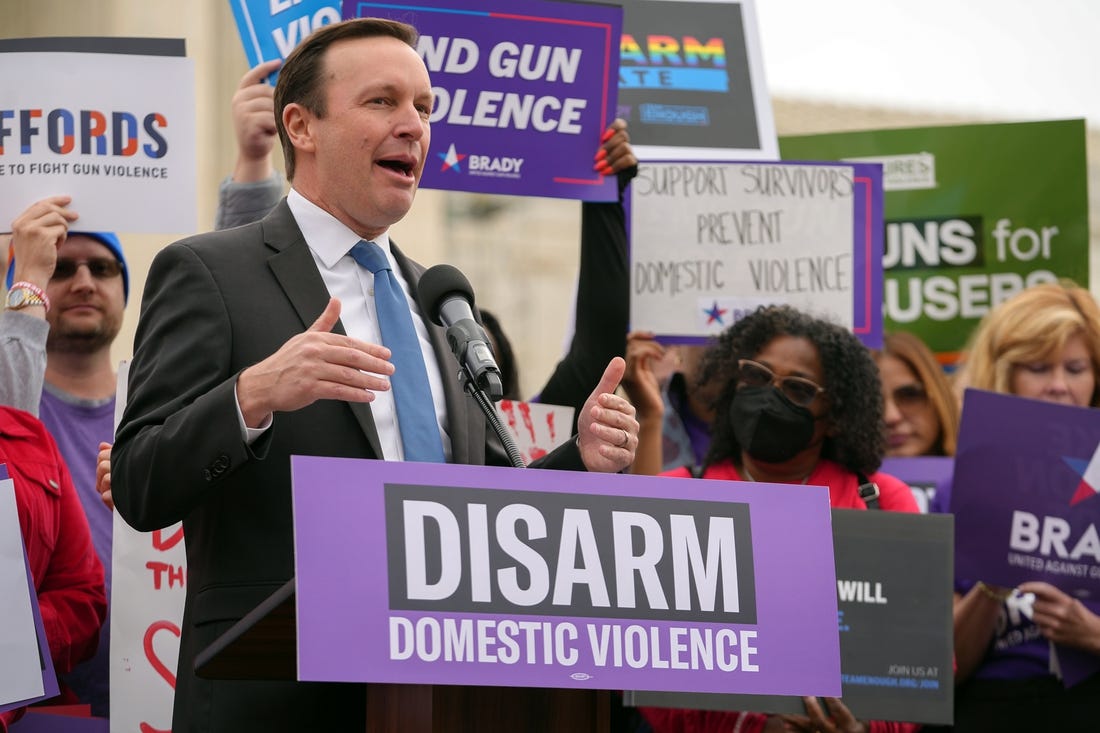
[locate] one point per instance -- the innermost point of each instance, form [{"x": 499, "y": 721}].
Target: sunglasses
[
  {"x": 798, "y": 390},
  {"x": 101, "y": 268},
  {"x": 909, "y": 396}
]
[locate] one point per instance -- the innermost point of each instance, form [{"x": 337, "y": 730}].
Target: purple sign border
[
  {"x": 1018, "y": 454},
  {"x": 571, "y": 176},
  {"x": 917, "y": 469},
  {"x": 868, "y": 216},
  {"x": 342, "y": 597}
]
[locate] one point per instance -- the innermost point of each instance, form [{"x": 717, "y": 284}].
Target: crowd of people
[
  {"x": 264, "y": 339},
  {"x": 789, "y": 397}
]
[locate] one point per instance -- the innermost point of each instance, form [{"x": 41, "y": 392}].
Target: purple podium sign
[
  {"x": 1024, "y": 493},
  {"x": 445, "y": 574},
  {"x": 523, "y": 91}
]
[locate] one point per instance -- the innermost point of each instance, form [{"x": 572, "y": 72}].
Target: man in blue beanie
[{"x": 63, "y": 310}]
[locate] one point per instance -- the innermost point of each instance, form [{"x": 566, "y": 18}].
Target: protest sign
[
  {"x": 108, "y": 121},
  {"x": 536, "y": 428},
  {"x": 974, "y": 214},
  {"x": 534, "y": 578},
  {"x": 147, "y": 593},
  {"x": 926, "y": 476},
  {"x": 21, "y": 678},
  {"x": 1024, "y": 493},
  {"x": 895, "y": 623},
  {"x": 523, "y": 91},
  {"x": 691, "y": 81},
  {"x": 270, "y": 29},
  {"x": 147, "y": 596},
  {"x": 50, "y": 686},
  {"x": 711, "y": 242}
]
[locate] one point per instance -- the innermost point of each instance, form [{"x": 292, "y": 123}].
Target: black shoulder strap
[{"x": 868, "y": 491}]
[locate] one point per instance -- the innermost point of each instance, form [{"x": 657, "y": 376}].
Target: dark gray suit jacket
[{"x": 213, "y": 305}]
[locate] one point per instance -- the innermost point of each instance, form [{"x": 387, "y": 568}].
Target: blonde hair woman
[{"x": 1044, "y": 343}]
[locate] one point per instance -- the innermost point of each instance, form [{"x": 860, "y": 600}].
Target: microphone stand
[{"x": 470, "y": 385}]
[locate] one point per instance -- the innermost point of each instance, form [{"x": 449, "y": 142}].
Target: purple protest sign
[
  {"x": 1024, "y": 493},
  {"x": 43, "y": 720},
  {"x": 523, "y": 91},
  {"x": 447, "y": 574},
  {"x": 927, "y": 476}
]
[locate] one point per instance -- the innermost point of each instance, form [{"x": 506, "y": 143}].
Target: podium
[
  {"x": 475, "y": 584},
  {"x": 263, "y": 646}
]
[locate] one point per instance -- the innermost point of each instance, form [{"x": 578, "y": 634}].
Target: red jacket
[
  {"x": 68, "y": 576},
  {"x": 895, "y": 496},
  {"x": 843, "y": 494}
]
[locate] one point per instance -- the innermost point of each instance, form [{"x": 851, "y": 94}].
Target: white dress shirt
[{"x": 329, "y": 242}]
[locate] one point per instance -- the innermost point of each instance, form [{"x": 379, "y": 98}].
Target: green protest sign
[{"x": 973, "y": 213}]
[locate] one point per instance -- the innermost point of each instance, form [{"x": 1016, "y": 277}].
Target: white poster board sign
[
  {"x": 108, "y": 121},
  {"x": 147, "y": 594},
  {"x": 712, "y": 241},
  {"x": 20, "y": 671}
]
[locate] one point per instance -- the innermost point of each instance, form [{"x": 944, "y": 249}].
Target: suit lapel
[{"x": 293, "y": 267}]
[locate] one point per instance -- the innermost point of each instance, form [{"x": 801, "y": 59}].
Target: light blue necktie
[{"x": 411, "y": 390}]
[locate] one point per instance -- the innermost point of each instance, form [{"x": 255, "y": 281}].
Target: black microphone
[{"x": 445, "y": 296}]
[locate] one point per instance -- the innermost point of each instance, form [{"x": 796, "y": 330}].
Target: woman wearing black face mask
[{"x": 800, "y": 403}]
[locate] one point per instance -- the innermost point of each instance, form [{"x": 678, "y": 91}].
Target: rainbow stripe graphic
[{"x": 668, "y": 62}]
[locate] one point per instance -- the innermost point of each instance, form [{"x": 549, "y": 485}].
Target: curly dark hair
[{"x": 855, "y": 411}]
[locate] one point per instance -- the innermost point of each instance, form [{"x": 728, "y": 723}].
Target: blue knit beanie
[{"x": 108, "y": 240}]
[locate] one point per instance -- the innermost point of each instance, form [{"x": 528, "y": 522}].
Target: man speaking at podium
[{"x": 282, "y": 337}]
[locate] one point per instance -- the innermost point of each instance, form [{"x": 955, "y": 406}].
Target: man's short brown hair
[{"x": 301, "y": 77}]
